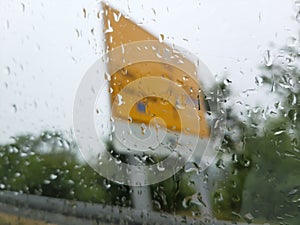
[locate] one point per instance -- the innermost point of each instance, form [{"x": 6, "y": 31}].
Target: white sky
[{"x": 48, "y": 46}]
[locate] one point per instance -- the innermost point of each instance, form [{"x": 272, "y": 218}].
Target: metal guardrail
[{"x": 65, "y": 212}]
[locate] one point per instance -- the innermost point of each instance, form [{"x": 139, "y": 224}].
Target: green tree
[
  {"x": 272, "y": 185},
  {"x": 263, "y": 173},
  {"x": 47, "y": 165}
]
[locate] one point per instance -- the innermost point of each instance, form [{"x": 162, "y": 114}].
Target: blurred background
[{"x": 251, "y": 48}]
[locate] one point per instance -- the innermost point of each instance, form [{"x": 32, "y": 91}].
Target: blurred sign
[{"x": 120, "y": 31}]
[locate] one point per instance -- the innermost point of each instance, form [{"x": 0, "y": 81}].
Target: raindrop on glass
[
  {"x": 84, "y": 12},
  {"x": 161, "y": 37},
  {"x": 107, "y": 76},
  {"x": 7, "y": 70},
  {"x": 298, "y": 17},
  {"x": 23, "y": 7},
  {"x": 117, "y": 16},
  {"x": 120, "y": 100},
  {"x": 53, "y": 176},
  {"x": 268, "y": 58},
  {"x": 15, "y": 109}
]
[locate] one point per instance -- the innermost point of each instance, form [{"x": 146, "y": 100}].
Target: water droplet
[
  {"x": 161, "y": 37},
  {"x": 129, "y": 119},
  {"x": 293, "y": 99},
  {"x": 117, "y": 16},
  {"x": 220, "y": 164},
  {"x": 199, "y": 198},
  {"x": 279, "y": 131},
  {"x": 227, "y": 82},
  {"x": 23, "y": 154},
  {"x": 7, "y": 70},
  {"x": 268, "y": 58},
  {"x": 180, "y": 61},
  {"x": 84, "y": 12},
  {"x": 248, "y": 217},
  {"x": 236, "y": 198},
  {"x": 294, "y": 191},
  {"x": 179, "y": 83},
  {"x": 216, "y": 124},
  {"x": 107, "y": 76},
  {"x": 292, "y": 41},
  {"x": 71, "y": 182},
  {"x": 15, "y": 108},
  {"x": 245, "y": 162},
  {"x": 99, "y": 14},
  {"x": 185, "y": 78},
  {"x": 107, "y": 184},
  {"x": 47, "y": 181},
  {"x": 154, "y": 12},
  {"x": 259, "y": 16},
  {"x": 117, "y": 160},
  {"x": 298, "y": 17},
  {"x": 273, "y": 87},
  {"x": 109, "y": 29},
  {"x": 78, "y": 33},
  {"x": 17, "y": 174},
  {"x": 180, "y": 102},
  {"x": 158, "y": 55},
  {"x": 160, "y": 167},
  {"x": 7, "y": 24},
  {"x": 53, "y": 176},
  {"x": 258, "y": 80},
  {"x": 163, "y": 101},
  {"x": 187, "y": 202},
  {"x": 218, "y": 197},
  {"x": 234, "y": 158},
  {"x": 192, "y": 167},
  {"x": 120, "y": 100},
  {"x": 143, "y": 129},
  {"x": 23, "y": 7},
  {"x": 156, "y": 204}
]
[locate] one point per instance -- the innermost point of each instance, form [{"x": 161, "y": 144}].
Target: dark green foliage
[
  {"x": 263, "y": 176},
  {"x": 47, "y": 165}
]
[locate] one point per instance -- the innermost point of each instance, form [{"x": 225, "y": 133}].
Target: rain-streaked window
[{"x": 149, "y": 112}]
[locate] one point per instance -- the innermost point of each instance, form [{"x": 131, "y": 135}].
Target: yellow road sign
[{"x": 120, "y": 31}]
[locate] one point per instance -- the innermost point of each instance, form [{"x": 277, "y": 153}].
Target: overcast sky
[{"x": 47, "y": 46}]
